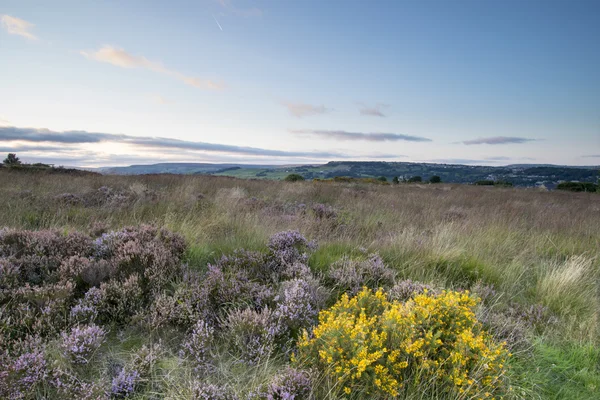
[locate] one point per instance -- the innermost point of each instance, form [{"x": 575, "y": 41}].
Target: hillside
[{"x": 518, "y": 175}]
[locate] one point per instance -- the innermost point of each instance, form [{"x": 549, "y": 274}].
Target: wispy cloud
[
  {"x": 4, "y": 121},
  {"x": 17, "y": 26},
  {"x": 461, "y": 161},
  {"x": 498, "y": 140},
  {"x": 157, "y": 98},
  {"x": 242, "y": 12},
  {"x": 34, "y": 135},
  {"x": 374, "y": 111},
  {"x": 370, "y": 137},
  {"x": 591, "y": 156},
  {"x": 121, "y": 58},
  {"x": 302, "y": 110}
]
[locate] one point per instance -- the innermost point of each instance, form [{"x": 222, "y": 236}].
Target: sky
[{"x": 101, "y": 83}]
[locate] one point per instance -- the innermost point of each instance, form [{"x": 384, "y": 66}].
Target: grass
[{"x": 534, "y": 247}]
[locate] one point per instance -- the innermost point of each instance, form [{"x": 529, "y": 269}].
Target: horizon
[{"x": 282, "y": 83}]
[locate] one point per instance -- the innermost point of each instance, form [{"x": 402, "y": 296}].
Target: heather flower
[
  {"x": 407, "y": 289},
  {"x": 197, "y": 347},
  {"x": 352, "y": 275},
  {"x": 207, "y": 391},
  {"x": 297, "y": 304},
  {"x": 251, "y": 334},
  {"x": 292, "y": 384},
  {"x": 322, "y": 211},
  {"x": 86, "y": 309},
  {"x": 124, "y": 384},
  {"x": 19, "y": 376},
  {"x": 82, "y": 342},
  {"x": 290, "y": 247}
]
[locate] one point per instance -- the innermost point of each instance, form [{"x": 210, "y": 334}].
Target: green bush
[
  {"x": 435, "y": 179},
  {"x": 294, "y": 178},
  {"x": 578, "y": 186}
]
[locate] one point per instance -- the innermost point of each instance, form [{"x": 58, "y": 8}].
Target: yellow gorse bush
[{"x": 369, "y": 345}]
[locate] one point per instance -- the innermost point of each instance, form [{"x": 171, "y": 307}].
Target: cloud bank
[
  {"x": 369, "y": 137},
  {"x": 17, "y": 26},
  {"x": 46, "y": 136},
  {"x": 498, "y": 140},
  {"x": 121, "y": 58},
  {"x": 301, "y": 110}
]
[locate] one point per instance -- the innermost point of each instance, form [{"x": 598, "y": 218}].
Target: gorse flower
[{"x": 370, "y": 344}]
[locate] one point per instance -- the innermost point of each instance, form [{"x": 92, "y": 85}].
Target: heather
[{"x": 186, "y": 287}]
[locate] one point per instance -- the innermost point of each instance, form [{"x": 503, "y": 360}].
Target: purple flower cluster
[
  {"x": 292, "y": 384},
  {"x": 296, "y": 304},
  {"x": 207, "y": 391},
  {"x": 407, "y": 289},
  {"x": 290, "y": 247},
  {"x": 19, "y": 376},
  {"x": 352, "y": 275},
  {"x": 323, "y": 211},
  {"x": 82, "y": 342},
  {"x": 124, "y": 384},
  {"x": 197, "y": 347},
  {"x": 251, "y": 335}
]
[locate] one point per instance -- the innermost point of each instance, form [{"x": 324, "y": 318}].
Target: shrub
[
  {"x": 430, "y": 344},
  {"x": 413, "y": 179},
  {"x": 578, "y": 186},
  {"x": 322, "y": 211},
  {"x": 382, "y": 179},
  {"x": 251, "y": 335},
  {"x": 82, "y": 342},
  {"x": 396, "y": 180},
  {"x": 294, "y": 178},
  {"x": 435, "y": 179},
  {"x": 197, "y": 348},
  {"x": 291, "y": 384},
  {"x": 207, "y": 391},
  {"x": 351, "y": 275},
  {"x": 407, "y": 289},
  {"x": 125, "y": 383},
  {"x": 297, "y": 305},
  {"x": 20, "y": 375},
  {"x": 290, "y": 247}
]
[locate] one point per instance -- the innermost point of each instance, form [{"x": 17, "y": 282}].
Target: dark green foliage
[
  {"x": 484, "y": 182},
  {"x": 578, "y": 186},
  {"x": 294, "y": 178},
  {"x": 396, "y": 180},
  {"x": 12, "y": 159},
  {"x": 382, "y": 179},
  {"x": 435, "y": 179},
  {"x": 413, "y": 179}
]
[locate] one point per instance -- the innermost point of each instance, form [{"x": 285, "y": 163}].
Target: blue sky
[{"x": 119, "y": 82}]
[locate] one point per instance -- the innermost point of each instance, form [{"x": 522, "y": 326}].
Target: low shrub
[
  {"x": 81, "y": 343},
  {"x": 431, "y": 344},
  {"x": 251, "y": 335},
  {"x": 350, "y": 276},
  {"x": 197, "y": 347}
]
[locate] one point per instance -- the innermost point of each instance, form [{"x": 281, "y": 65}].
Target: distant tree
[
  {"x": 12, "y": 159},
  {"x": 415, "y": 179},
  {"x": 485, "y": 182},
  {"x": 577, "y": 186},
  {"x": 294, "y": 178},
  {"x": 435, "y": 179},
  {"x": 396, "y": 180},
  {"x": 382, "y": 179}
]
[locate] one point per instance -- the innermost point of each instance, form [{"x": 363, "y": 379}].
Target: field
[{"x": 178, "y": 321}]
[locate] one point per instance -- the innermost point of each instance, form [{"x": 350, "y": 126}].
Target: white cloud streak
[
  {"x": 301, "y": 110},
  {"x": 17, "y": 26},
  {"x": 121, "y": 58}
]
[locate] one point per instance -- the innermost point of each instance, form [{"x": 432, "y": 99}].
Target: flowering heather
[
  {"x": 292, "y": 384},
  {"x": 19, "y": 376},
  {"x": 124, "y": 384},
  {"x": 69, "y": 386},
  {"x": 197, "y": 348},
  {"x": 251, "y": 334},
  {"x": 290, "y": 247},
  {"x": 352, "y": 275},
  {"x": 323, "y": 211},
  {"x": 82, "y": 342},
  {"x": 86, "y": 309},
  {"x": 407, "y": 289},
  {"x": 297, "y": 304},
  {"x": 207, "y": 391}
]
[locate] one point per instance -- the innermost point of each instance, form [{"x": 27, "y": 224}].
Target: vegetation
[
  {"x": 12, "y": 159},
  {"x": 294, "y": 178},
  {"x": 435, "y": 179},
  {"x": 201, "y": 287},
  {"x": 413, "y": 179},
  {"x": 578, "y": 186}
]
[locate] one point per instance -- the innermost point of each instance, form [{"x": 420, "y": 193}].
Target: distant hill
[{"x": 517, "y": 174}]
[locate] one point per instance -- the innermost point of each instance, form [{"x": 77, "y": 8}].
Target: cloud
[
  {"x": 592, "y": 156},
  {"x": 498, "y": 140},
  {"x": 17, "y": 26},
  {"x": 301, "y": 110},
  {"x": 375, "y": 111},
  {"x": 29, "y": 149},
  {"x": 460, "y": 161},
  {"x": 4, "y": 121},
  {"x": 34, "y": 135},
  {"x": 157, "y": 98},
  {"x": 121, "y": 58},
  {"x": 242, "y": 12},
  {"x": 370, "y": 137}
]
